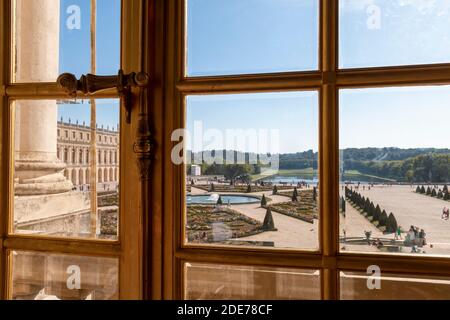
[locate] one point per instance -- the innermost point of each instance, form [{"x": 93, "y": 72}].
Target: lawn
[
  {"x": 307, "y": 173},
  {"x": 238, "y": 188},
  {"x": 356, "y": 175}
]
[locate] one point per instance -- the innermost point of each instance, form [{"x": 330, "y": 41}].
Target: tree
[
  {"x": 343, "y": 204},
  {"x": 275, "y": 190},
  {"x": 219, "y": 201},
  {"x": 235, "y": 171},
  {"x": 446, "y": 196},
  {"x": 445, "y": 189},
  {"x": 434, "y": 193},
  {"x": 294, "y": 198},
  {"x": 295, "y": 191},
  {"x": 377, "y": 213},
  {"x": 371, "y": 211},
  {"x": 263, "y": 201},
  {"x": 418, "y": 189},
  {"x": 440, "y": 195},
  {"x": 367, "y": 205},
  {"x": 268, "y": 224},
  {"x": 249, "y": 188},
  {"x": 383, "y": 218},
  {"x": 392, "y": 224},
  {"x": 422, "y": 190},
  {"x": 314, "y": 193},
  {"x": 428, "y": 191}
]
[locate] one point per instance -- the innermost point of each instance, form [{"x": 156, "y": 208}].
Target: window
[
  {"x": 56, "y": 222},
  {"x": 73, "y": 158},
  {"x": 393, "y": 33},
  {"x": 332, "y": 77},
  {"x": 243, "y": 43},
  {"x": 392, "y": 138},
  {"x": 271, "y": 160},
  {"x": 395, "y": 170}
]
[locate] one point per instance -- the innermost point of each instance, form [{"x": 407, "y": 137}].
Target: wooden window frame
[
  {"x": 153, "y": 224},
  {"x": 128, "y": 249},
  {"x": 328, "y": 80}
]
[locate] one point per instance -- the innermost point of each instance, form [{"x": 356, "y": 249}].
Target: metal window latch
[{"x": 91, "y": 83}]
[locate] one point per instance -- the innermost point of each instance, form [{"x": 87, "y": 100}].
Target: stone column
[{"x": 38, "y": 170}]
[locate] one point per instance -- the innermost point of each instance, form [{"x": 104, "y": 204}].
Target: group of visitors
[
  {"x": 445, "y": 213},
  {"x": 416, "y": 236},
  {"x": 373, "y": 242}
]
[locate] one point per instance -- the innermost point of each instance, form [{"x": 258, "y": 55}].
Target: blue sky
[
  {"x": 75, "y": 56},
  {"x": 293, "y": 114},
  {"x": 257, "y": 36}
]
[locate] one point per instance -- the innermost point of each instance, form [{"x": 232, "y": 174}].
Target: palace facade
[{"x": 73, "y": 149}]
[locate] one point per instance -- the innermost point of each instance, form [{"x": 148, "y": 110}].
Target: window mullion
[
  {"x": 51, "y": 91},
  {"x": 4, "y": 53},
  {"x": 329, "y": 154}
]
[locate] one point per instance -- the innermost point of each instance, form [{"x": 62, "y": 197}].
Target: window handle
[{"x": 91, "y": 83}]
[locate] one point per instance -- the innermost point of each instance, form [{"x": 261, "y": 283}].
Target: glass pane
[
  {"x": 226, "y": 282},
  {"x": 54, "y": 36},
  {"x": 253, "y": 36},
  {"x": 56, "y": 164},
  {"x": 363, "y": 286},
  {"x": 393, "y": 32},
  {"x": 252, "y": 170},
  {"x": 41, "y": 276},
  {"x": 395, "y": 170}
]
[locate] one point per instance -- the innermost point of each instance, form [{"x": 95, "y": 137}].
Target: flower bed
[
  {"x": 207, "y": 224},
  {"x": 304, "y": 209}
]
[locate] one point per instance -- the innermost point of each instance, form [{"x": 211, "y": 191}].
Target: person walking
[
  {"x": 398, "y": 233},
  {"x": 422, "y": 236},
  {"x": 445, "y": 213}
]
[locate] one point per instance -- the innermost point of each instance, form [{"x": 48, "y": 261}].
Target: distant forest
[{"x": 402, "y": 165}]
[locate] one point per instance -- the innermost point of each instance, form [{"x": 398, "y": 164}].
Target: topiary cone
[
  {"x": 263, "y": 201},
  {"x": 275, "y": 190},
  {"x": 269, "y": 224}
]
